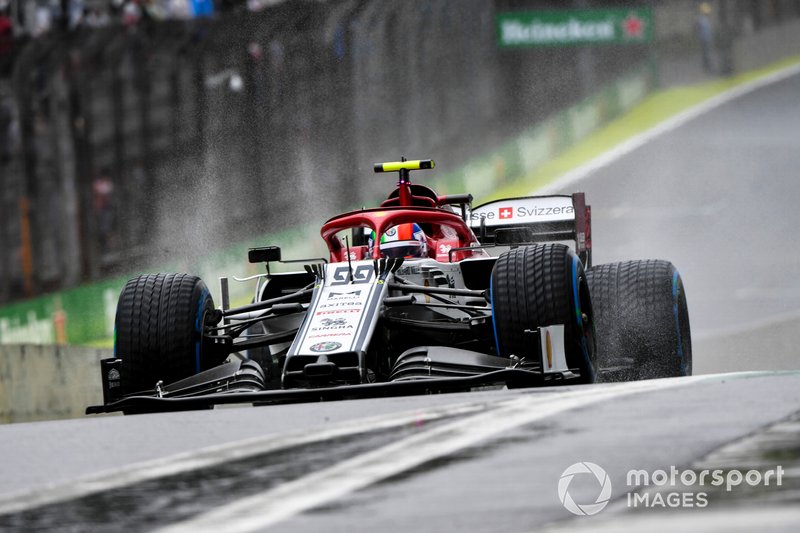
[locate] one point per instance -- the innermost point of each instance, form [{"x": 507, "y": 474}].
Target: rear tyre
[
  {"x": 543, "y": 285},
  {"x": 642, "y": 320},
  {"x": 158, "y": 330}
]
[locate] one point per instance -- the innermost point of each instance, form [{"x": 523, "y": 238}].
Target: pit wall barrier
[{"x": 48, "y": 382}]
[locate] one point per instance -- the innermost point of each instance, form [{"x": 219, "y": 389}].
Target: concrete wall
[
  {"x": 48, "y": 382},
  {"x": 767, "y": 45},
  {"x": 675, "y": 23}
]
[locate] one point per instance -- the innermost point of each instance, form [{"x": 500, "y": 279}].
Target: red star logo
[
  {"x": 506, "y": 212},
  {"x": 633, "y": 27}
]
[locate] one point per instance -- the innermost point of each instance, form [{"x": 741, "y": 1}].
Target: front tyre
[
  {"x": 537, "y": 286},
  {"x": 642, "y": 320},
  {"x": 159, "y": 330}
]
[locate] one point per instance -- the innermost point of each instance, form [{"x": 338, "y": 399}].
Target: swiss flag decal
[{"x": 506, "y": 212}]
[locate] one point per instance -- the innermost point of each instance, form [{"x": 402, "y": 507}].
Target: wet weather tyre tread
[
  {"x": 641, "y": 319},
  {"x": 532, "y": 286},
  {"x": 157, "y": 330}
]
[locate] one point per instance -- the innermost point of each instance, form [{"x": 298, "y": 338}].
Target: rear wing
[{"x": 534, "y": 219}]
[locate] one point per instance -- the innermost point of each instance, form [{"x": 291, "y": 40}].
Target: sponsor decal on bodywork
[
  {"x": 523, "y": 211},
  {"x": 328, "y": 346},
  {"x": 343, "y": 311}
]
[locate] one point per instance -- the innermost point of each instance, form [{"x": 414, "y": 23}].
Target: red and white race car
[{"x": 424, "y": 293}]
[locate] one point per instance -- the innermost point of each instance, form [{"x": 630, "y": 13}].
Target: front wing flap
[{"x": 510, "y": 377}]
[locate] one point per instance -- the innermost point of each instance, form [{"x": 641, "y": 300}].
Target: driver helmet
[{"x": 402, "y": 240}]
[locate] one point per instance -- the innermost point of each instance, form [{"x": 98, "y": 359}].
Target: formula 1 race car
[{"x": 422, "y": 294}]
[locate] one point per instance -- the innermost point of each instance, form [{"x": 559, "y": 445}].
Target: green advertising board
[{"x": 575, "y": 27}]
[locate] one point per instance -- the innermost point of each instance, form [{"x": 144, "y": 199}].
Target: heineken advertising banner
[{"x": 573, "y": 28}]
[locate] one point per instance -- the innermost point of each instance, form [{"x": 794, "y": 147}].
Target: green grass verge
[
  {"x": 100, "y": 343},
  {"x": 656, "y": 108}
]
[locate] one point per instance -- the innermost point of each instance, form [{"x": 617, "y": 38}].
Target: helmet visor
[{"x": 397, "y": 249}]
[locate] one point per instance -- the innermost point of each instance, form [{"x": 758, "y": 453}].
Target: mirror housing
[{"x": 264, "y": 254}]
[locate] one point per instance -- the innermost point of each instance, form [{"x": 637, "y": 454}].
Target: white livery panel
[{"x": 343, "y": 311}]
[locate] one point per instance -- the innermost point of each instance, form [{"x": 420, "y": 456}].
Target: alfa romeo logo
[
  {"x": 589, "y": 508},
  {"x": 325, "y": 347}
]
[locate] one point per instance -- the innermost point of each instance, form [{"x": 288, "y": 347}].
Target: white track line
[
  {"x": 214, "y": 455},
  {"x": 289, "y": 499},
  {"x": 573, "y": 176}
]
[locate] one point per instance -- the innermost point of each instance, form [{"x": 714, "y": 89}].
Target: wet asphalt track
[{"x": 716, "y": 196}]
